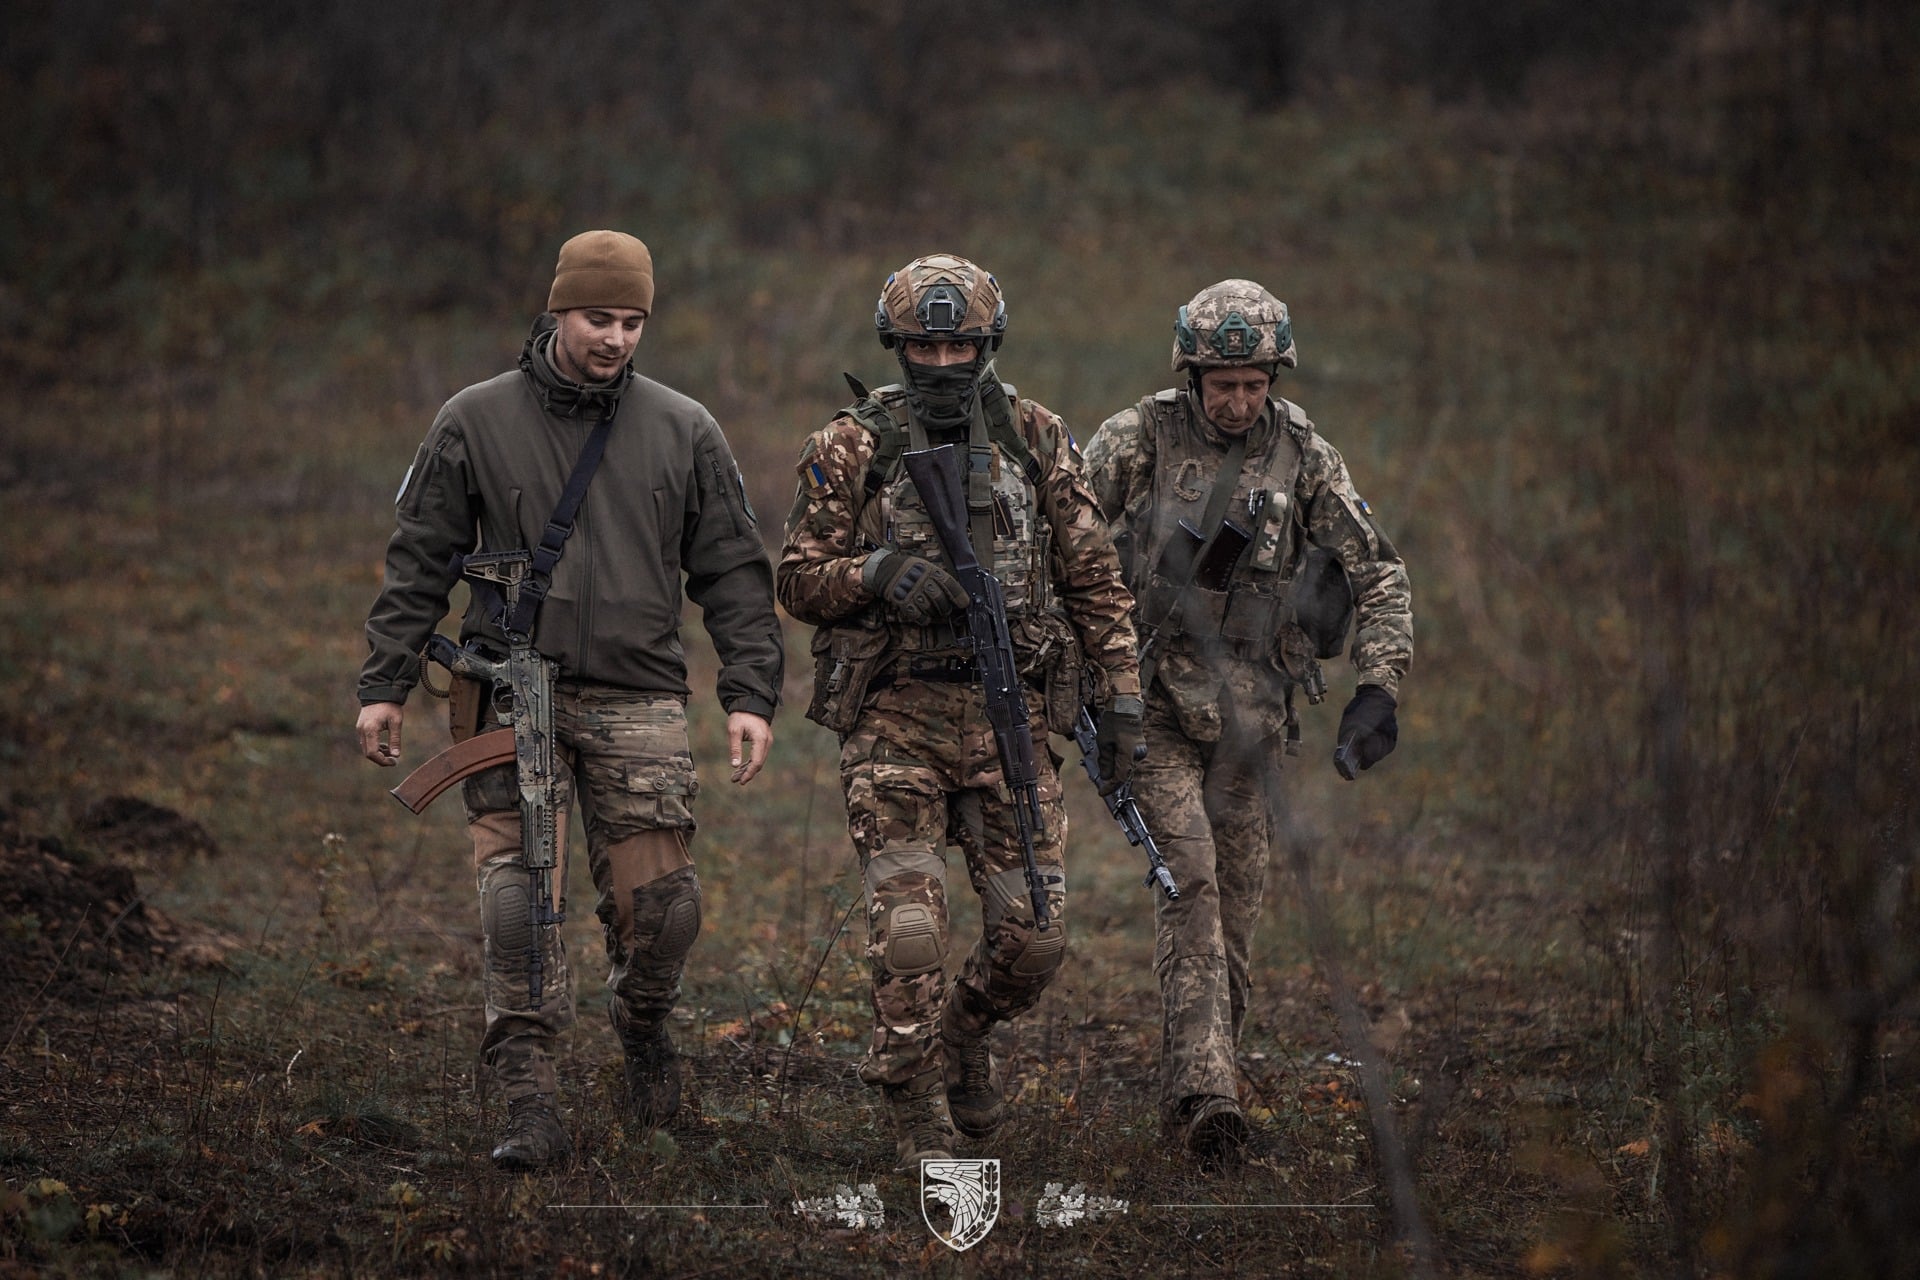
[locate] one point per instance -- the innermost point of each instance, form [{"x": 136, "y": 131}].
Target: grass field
[{"x": 1629, "y": 917}]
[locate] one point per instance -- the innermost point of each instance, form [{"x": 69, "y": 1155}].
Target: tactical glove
[
  {"x": 1368, "y": 730},
  {"x": 1119, "y": 739},
  {"x": 914, "y": 587}
]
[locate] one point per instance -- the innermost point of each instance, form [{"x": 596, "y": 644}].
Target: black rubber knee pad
[
  {"x": 666, "y": 916},
  {"x": 505, "y": 915}
]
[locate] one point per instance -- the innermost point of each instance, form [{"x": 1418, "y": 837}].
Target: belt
[{"x": 957, "y": 669}]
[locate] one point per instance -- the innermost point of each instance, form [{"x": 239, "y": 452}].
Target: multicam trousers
[
  {"x": 626, "y": 757},
  {"x": 921, "y": 771},
  {"x": 1206, "y": 805}
]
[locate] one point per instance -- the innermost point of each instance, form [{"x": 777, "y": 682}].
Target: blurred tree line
[{"x": 349, "y": 154}]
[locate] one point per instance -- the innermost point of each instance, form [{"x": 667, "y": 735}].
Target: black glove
[
  {"x": 1119, "y": 739},
  {"x": 1368, "y": 730},
  {"x": 916, "y": 588}
]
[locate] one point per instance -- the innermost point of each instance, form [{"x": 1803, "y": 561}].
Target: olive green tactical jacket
[{"x": 667, "y": 500}]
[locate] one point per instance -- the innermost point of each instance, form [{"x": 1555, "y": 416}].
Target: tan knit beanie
[{"x": 602, "y": 269}]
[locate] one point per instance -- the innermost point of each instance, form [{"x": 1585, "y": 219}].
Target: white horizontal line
[
  {"x": 1260, "y": 1206},
  {"x": 761, "y": 1205}
]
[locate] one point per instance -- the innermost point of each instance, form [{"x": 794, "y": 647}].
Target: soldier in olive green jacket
[{"x": 667, "y": 500}]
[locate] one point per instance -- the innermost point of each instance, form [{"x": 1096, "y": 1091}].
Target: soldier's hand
[
  {"x": 913, "y": 586},
  {"x": 379, "y": 730},
  {"x": 749, "y": 737},
  {"x": 1120, "y": 734},
  {"x": 1368, "y": 731}
]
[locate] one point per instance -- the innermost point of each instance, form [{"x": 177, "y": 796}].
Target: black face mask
[{"x": 943, "y": 395}]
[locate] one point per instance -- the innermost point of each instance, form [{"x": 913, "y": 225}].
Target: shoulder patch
[{"x": 813, "y": 476}]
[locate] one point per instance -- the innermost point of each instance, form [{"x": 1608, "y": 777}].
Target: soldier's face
[
  {"x": 593, "y": 344},
  {"x": 1233, "y": 398},
  {"x": 921, "y": 351}
]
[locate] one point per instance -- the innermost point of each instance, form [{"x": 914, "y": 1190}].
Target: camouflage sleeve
[
  {"x": 1339, "y": 520},
  {"x": 818, "y": 580},
  {"x": 1087, "y": 571},
  {"x": 1119, "y": 470}
]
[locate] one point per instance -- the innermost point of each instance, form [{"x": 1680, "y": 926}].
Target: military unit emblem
[{"x": 969, "y": 1191}]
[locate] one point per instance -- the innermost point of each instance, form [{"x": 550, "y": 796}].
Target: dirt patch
[
  {"x": 141, "y": 834},
  {"x": 70, "y": 919}
]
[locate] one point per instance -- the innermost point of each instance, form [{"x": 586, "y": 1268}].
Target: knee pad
[
  {"x": 916, "y": 938},
  {"x": 666, "y": 916},
  {"x": 1026, "y": 951},
  {"x": 505, "y": 902},
  {"x": 1040, "y": 953},
  {"x": 906, "y": 889}
]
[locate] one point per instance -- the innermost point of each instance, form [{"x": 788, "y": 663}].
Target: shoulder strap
[
  {"x": 883, "y": 417},
  {"x": 553, "y": 540},
  {"x": 1003, "y": 426}
]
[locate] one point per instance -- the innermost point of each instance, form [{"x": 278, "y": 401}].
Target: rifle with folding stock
[{"x": 523, "y": 683}]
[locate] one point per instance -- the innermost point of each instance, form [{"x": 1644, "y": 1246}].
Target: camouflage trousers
[
  {"x": 920, "y": 772},
  {"x": 628, "y": 765},
  {"x": 1206, "y": 805}
]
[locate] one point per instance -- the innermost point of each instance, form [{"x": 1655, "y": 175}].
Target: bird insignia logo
[{"x": 968, "y": 1191}]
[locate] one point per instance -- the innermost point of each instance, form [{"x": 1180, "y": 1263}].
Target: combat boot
[
  {"x": 974, "y": 1094},
  {"x": 653, "y": 1072},
  {"x": 535, "y": 1137},
  {"x": 1217, "y": 1130},
  {"x": 920, "y": 1121}
]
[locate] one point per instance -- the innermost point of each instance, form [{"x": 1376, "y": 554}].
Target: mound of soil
[
  {"x": 131, "y": 830},
  {"x": 63, "y": 911}
]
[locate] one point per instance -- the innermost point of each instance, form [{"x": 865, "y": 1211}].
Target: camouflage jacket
[
  {"x": 1058, "y": 563},
  {"x": 1155, "y": 462}
]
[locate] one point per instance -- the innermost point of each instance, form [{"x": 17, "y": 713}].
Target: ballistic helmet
[
  {"x": 941, "y": 298},
  {"x": 1235, "y": 322}
]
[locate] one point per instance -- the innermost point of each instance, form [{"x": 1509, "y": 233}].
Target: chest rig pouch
[
  {"x": 1011, "y": 536},
  {"x": 1253, "y": 616}
]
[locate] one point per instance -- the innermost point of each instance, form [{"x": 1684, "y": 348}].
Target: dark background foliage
[{"x": 1613, "y": 310}]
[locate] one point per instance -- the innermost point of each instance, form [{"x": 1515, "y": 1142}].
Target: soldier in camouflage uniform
[
  {"x": 1222, "y": 666},
  {"x": 895, "y": 678},
  {"x": 665, "y": 500}
]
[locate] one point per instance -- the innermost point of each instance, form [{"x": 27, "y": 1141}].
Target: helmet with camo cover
[
  {"x": 1235, "y": 322},
  {"x": 941, "y": 298}
]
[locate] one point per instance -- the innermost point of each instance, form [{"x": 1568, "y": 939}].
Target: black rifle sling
[
  {"x": 1224, "y": 481},
  {"x": 559, "y": 528}
]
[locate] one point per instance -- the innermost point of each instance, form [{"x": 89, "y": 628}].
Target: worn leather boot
[
  {"x": 921, "y": 1123},
  {"x": 974, "y": 1087},
  {"x": 653, "y": 1072},
  {"x": 535, "y": 1137},
  {"x": 1217, "y": 1129}
]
